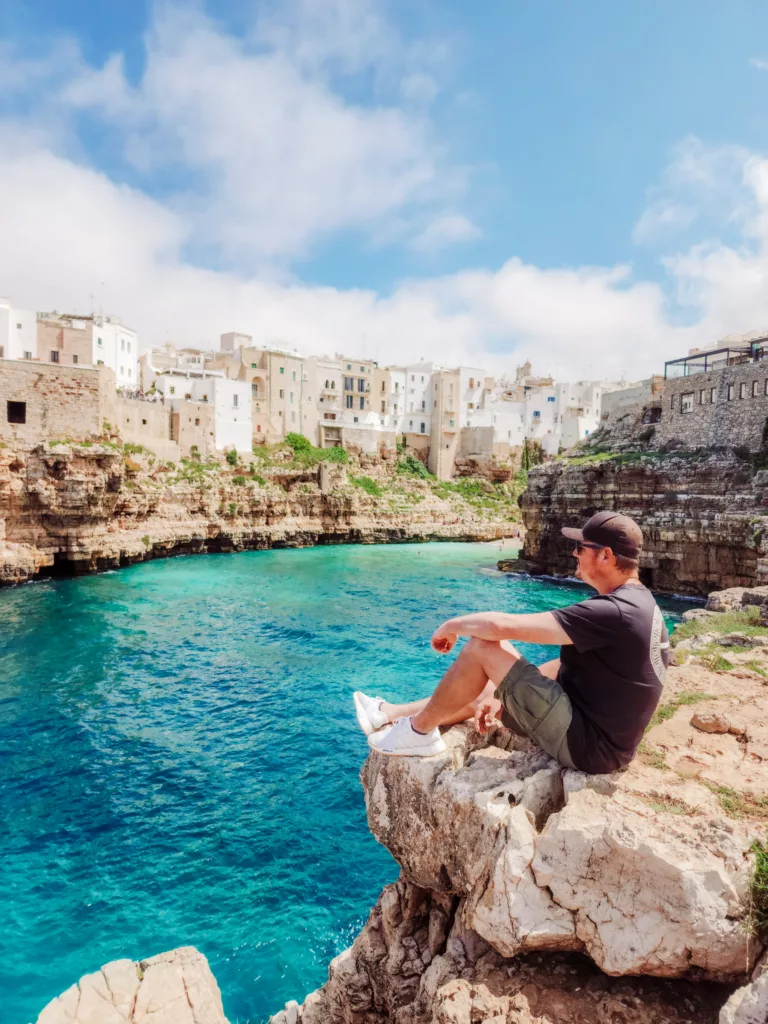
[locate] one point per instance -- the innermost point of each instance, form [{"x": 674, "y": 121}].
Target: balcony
[{"x": 714, "y": 359}]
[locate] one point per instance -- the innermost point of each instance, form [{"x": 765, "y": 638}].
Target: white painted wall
[
  {"x": 471, "y": 380},
  {"x": 117, "y": 347},
  {"x": 18, "y": 331}
]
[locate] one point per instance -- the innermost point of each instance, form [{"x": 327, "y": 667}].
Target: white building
[
  {"x": 95, "y": 340},
  {"x": 231, "y": 401},
  {"x": 18, "y": 332}
]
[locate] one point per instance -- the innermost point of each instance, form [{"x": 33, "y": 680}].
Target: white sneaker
[
  {"x": 370, "y": 717},
  {"x": 402, "y": 740}
]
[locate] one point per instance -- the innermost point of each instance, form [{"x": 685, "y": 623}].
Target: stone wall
[
  {"x": 193, "y": 427},
  {"x": 55, "y": 402},
  {"x": 723, "y": 408},
  {"x": 146, "y": 423},
  {"x": 476, "y": 441}
]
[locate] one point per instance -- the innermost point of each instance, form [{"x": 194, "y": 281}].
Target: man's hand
[
  {"x": 487, "y": 714},
  {"x": 443, "y": 640}
]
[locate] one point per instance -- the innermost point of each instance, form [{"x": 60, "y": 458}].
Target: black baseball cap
[{"x": 610, "y": 530}]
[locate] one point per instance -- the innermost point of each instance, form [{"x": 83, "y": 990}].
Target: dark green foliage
[
  {"x": 238, "y": 481},
  {"x": 232, "y": 457},
  {"x": 298, "y": 442}
]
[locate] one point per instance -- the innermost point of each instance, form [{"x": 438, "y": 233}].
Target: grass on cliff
[
  {"x": 302, "y": 453},
  {"x": 665, "y": 711},
  {"x": 746, "y": 621},
  {"x": 758, "y": 892},
  {"x": 366, "y": 484}
]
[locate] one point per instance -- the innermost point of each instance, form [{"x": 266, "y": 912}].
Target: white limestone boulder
[
  {"x": 172, "y": 988},
  {"x": 641, "y": 870}
]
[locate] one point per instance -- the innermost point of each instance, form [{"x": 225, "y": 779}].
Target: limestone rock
[
  {"x": 550, "y": 860},
  {"x": 416, "y": 962},
  {"x": 748, "y": 1005},
  {"x": 710, "y": 722},
  {"x": 172, "y": 988}
]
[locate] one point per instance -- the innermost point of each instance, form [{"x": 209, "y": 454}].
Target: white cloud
[
  {"x": 757, "y": 62},
  {"x": 445, "y": 229},
  {"x": 275, "y": 157}
]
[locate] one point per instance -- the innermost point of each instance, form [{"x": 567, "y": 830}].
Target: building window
[
  {"x": 671, "y": 401},
  {"x": 412, "y": 378},
  {"x": 350, "y": 400},
  {"x": 294, "y": 375},
  {"x": 290, "y": 397},
  {"x": 360, "y": 384},
  {"x": 713, "y": 395},
  {"x": 383, "y": 406},
  {"x": 395, "y": 408},
  {"x": 28, "y": 355},
  {"x": 75, "y": 358},
  {"x": 129, "y": 348},
  {"x": 172, "y": 390},
  {"x": 293, "y": 417},
  {"x": 551, "y": 398},
  {"x": 422, "y": 380},
  {"x": 686, "y": 402},
  {"x": 470, "y": 405},
  {"x": 349, "y": 384},
  {"x": 18, "y": 327},
  {"x": 54, "y": 356},
  {"x": 451, "y": 422},
  {"x": 730, "y": 392},
  {"x": 423, "y": 406},
  {"x": 349, "y": 366},
  {"x": 282, "y": 393},
  {"x": 255, "y": 390},
  {"x": 755, "y": 388},
  {"x": 397, "y": 386},
  {"x": 235, "y": 400},
  {"x": 702, "y": 397},
  {"x": 471, "y": 383},
  {"x": 258, "y": 428},
  {"x": 144, "y": 423},
  {"x": 122, "y": 344},
  {"x": 282, "y": 369},
  {"x": 2, "y": 352},
  {"x": 743, "y": 389},
  {"x": 536, "y": 414},
  {"x": 17, "y": 412},
  {"x": 197, "y": 421},
  {"x": 411, "y": 424},
  {"x": 362, "y": 403},
  {"x": 99, "y": 341},
  {"x": 254, "y": 366},
  {"x": 423, "y": 428},
  {"x": 362, "y": 369},
  {"x": 355, "y": 418},
  {"x": 435, "y": 403}
]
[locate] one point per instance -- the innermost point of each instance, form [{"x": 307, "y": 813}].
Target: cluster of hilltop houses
[
  {"x": 60, "y": 372},
  {"x": 244, "y": 393}
]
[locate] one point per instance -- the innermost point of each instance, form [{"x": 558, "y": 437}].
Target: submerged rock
[{"x": 171, "y": 988}]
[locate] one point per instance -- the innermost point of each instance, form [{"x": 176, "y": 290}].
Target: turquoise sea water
[{"x": 179, "y": 758}]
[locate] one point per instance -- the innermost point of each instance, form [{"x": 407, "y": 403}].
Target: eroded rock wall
[
  {"x": 704, "y": 516},
  {"x": 77, "y": 508}
]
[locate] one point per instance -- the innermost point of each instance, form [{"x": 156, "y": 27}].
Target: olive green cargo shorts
[{"x": 538, "y": 707}]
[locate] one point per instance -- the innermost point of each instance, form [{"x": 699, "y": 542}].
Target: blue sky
[{"x": 490, "y": 179}]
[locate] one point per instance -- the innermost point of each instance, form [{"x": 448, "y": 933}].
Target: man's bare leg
[
  {"x": 395, "y": 711},
  {"x": 465, "y": 680}
]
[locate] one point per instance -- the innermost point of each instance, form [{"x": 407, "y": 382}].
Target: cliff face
[
  {"x": 531, "y": 894},
  {"x": 704, "y": 516},
  {"x": 81, "y": 508}
]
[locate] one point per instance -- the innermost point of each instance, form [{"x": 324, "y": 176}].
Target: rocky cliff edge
[{"x": 531, "y": 894}]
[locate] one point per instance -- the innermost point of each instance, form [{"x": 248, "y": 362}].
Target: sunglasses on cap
[{"x": 581, "y": 544}]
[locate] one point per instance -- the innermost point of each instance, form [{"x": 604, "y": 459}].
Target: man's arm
[{"x": 539, "y": 628}]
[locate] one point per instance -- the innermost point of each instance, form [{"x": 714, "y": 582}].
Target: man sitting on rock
[{"x": 589, "y": 707}]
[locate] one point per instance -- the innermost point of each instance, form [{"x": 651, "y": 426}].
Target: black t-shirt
[{"x": 613, "y": 671}]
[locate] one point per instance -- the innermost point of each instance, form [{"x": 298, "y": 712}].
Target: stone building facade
[
  {"x": 722, "y": 408},
  {"x": 48, "y": 402}
]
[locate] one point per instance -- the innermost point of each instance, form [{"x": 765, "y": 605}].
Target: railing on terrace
[{"x": 715, "y": 359}]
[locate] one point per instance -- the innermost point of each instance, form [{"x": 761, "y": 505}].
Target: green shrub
[
  {"x": 259, "y": 480},
  {"x": 298, "y": 442},
  {"x": 232, "y": 457},
  {"x": 238, "y": 481},
  {"x": 232, "y": 508},
  {"x": 146, "y": 541},
  {"x": 409, "y": 465},
  {"x": 366, "y": 484}
]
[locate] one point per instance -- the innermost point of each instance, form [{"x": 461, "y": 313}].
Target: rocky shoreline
[{"x": 71, "y": 509}]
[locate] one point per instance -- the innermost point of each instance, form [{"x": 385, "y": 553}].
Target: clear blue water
[{"x": 179, "y": 759}]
